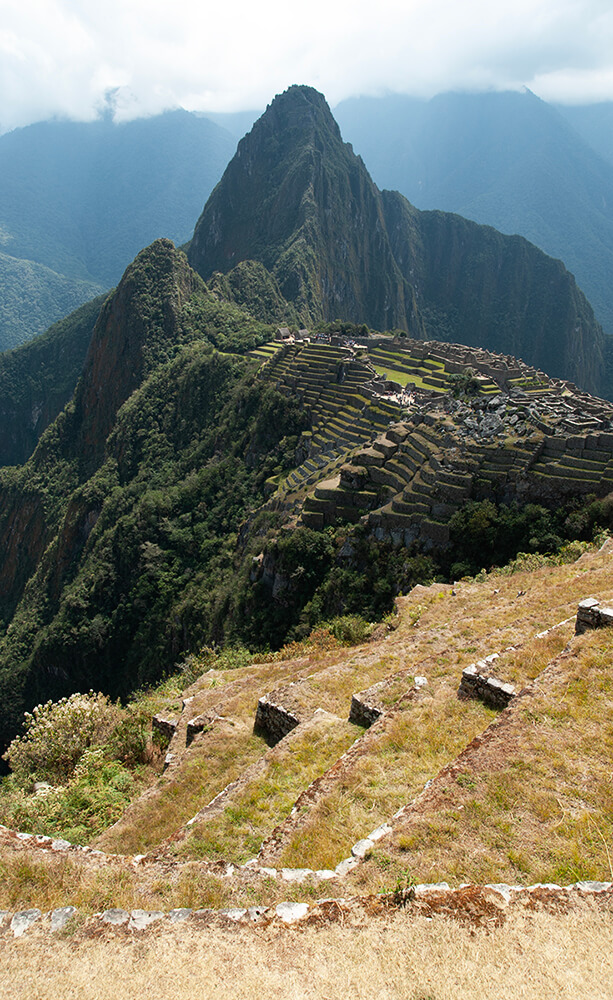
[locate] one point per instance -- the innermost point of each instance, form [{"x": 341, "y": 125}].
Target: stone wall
[
  {"x": 362, "y": 713},
  {"x": 274, "y": 721},
  {"x": 591, "y": 614},
  {"x": 164, "y": 726},
  {"x": 477, "y": 683}
]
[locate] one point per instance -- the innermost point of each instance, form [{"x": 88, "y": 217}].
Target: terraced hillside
[
  {"x": 346, "y": 769},
  {"x": 403, "y": 433}
]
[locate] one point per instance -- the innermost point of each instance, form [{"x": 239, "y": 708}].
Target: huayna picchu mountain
[{"x": 297, "y": 199}]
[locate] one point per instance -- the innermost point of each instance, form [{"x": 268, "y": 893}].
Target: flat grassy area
[
  {"x": 406, "y": 378},
  {"x": 537, "y": 956}
]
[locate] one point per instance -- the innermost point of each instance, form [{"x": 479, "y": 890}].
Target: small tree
[
  {"x": 464, "y": 383},
  {"x": 58, "y": 733}
]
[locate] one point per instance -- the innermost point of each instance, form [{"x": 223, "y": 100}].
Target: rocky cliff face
[
  {"x": 478, "y": 287},
  {"x": 137, "y": 328},
  {"x": 297, "y": 199}
]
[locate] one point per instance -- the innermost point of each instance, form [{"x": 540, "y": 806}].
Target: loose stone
[
  {"x": 289, "y": 913},
  {"x": 60, "y": 917},
  {"x": 23, "y": 920}
]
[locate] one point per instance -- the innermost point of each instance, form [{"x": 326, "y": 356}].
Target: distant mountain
[
  {"x": 38, "y": 378},
  {"x": 32, "y": 294},
  {"x": 81, "y": 199},
  {"x": 505, "y": 159},
  {"x": 237, "y": 123},
  {"x": 297, "y": 199},
  {"x": 594, "y": 123}
]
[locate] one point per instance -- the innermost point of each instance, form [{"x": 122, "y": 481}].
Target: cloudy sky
[{"x": 60, "y": 57}]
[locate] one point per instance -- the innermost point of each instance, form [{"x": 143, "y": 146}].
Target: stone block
[
  {"x": 295, "y": 874},
  {"x": 593, "y": 886},
  {"x": 490, "y": 690},
  {"x": 196, "y": 726},
  {"x": 362, "y": 848},
  {"x": 164, "y": 727},
  {"x": 141, "y": 919},
  {"x": 363, "y": 714},
  {"x": 23, "y": 920},
  {"x": 115, "y": 916},
  {"x": 345, "y": 866},
  {"x": 289, "y": 913},
  {"x": 60, "y": 917},
  {"x": 234, "y": 913}
]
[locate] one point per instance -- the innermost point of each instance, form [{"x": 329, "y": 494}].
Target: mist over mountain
[
  {"x": 509, "y": 160},
  {"x": 594, "y": 123},
  {"x": 82, "y": 198}
]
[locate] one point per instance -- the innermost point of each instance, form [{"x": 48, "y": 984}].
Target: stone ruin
[
  {"x": 478, "y": 683},
  {"x": 591, "y": 614}
]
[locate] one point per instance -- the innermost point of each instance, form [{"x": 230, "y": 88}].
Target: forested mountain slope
[{"x": 180, "y": 497}]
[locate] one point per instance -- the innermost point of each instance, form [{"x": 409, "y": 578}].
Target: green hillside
[{"x": 38, "y": 378}]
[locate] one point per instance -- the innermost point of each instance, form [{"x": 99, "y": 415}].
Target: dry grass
[
  {"x": 407, "y": 750},
  {"x": 533, "y": 801},
  {"x": 536, "y": 957},
  {"x": 535, "y": 806}
]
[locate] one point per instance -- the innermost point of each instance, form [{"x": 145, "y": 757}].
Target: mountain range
[
  {"x": 80, "y": 199},
  {"x": 509, "y": 160},
  {"x": 152, "y": 516}
]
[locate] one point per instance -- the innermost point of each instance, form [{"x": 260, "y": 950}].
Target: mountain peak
[
  {"x": 296, "y": 198},
  {"x": 299, "y": 107}
]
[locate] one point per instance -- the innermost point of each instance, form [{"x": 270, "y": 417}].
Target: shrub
[
  {"x": 129, "y": 741},
  {"x": 58, "y": 733},
  {"x": 350, "y": 630},
  {"x": 94, "y": 797}
]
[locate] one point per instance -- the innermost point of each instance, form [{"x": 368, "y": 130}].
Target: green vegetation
[
  {"x": 87, "y": 755},
  {"x": 33, "y": 296},
  {"x": 38, "y": 378}
]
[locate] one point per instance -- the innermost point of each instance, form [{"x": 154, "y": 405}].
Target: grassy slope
[{"x": 528, "y": 802}]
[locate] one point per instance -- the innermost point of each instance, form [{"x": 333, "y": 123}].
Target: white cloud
[{"x": 60, "y": 56}]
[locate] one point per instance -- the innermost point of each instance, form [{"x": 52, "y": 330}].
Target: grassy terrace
[
  {"x": 536, "y": 798},
  {"x": 265, "y": 351},
  {"x": 406, "y": 378},
  {"x": 265, "y": 798},
  {"x": 529, "y": 801}
]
